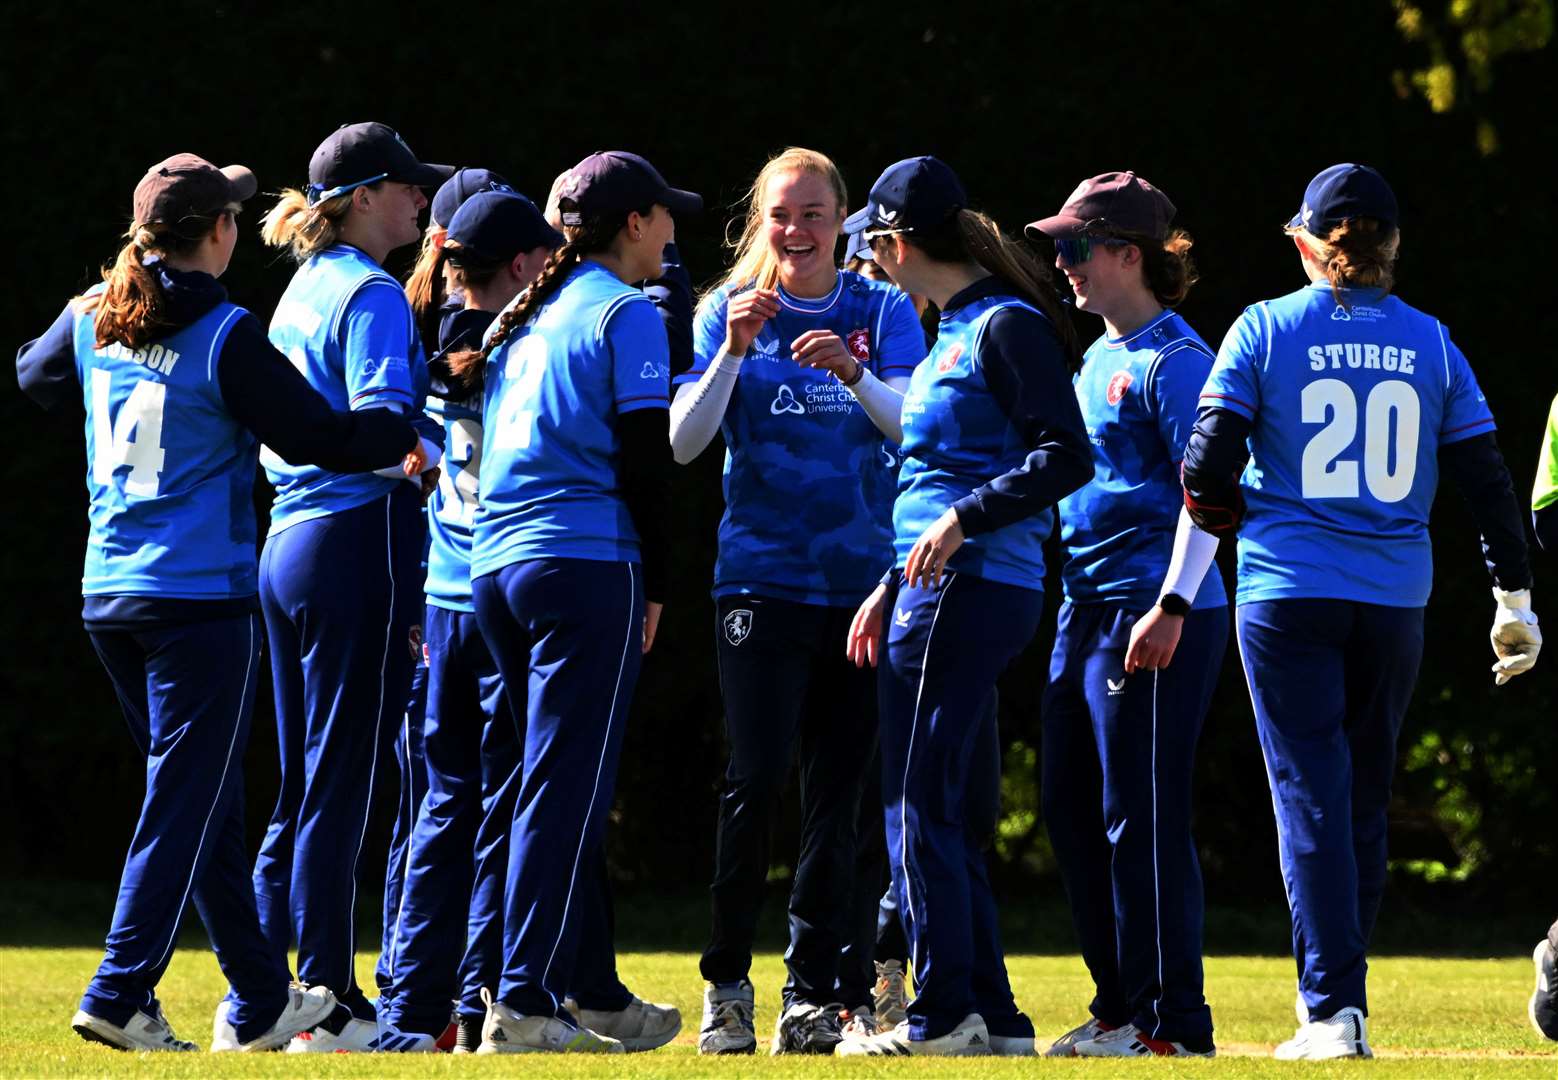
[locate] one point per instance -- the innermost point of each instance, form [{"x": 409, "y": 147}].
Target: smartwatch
[{"x": 1174, "y": 604}]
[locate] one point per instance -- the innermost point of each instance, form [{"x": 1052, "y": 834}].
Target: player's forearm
[
  {"x": 1477, "y": 467},
  {"x": 1215, "y": 457},
  {"x": 698, "y": 407},
  {"x": 883, "y": 403},
  {"x": 646, "y": 485}
]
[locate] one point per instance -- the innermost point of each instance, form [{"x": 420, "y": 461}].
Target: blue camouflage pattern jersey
[
  {"x": 1138, "y": 396},
  {"x": 809, "y": 480},
  {"x": 1350, "y": 403},
  {"x": 451, "y": 509},
  {"x": 347, "y": 326},
  {"x": 549, "y": 460},
  {"x": 166, "y": 464},
  {"x": 956, "y": 438}
]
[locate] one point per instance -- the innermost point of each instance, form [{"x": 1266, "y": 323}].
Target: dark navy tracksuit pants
[
  {"x": 943, "y": 650},
  {"x": 340, "y": 595},
  {"x": 878, "y": 932},
  {"x": 1118, "y": 757},
  {"x": 413, "y": 789},
  {"x": 470, "y": 746},
  {"x": 1330, "y": 681},
  {"x": 570, "y": 632},
  {"x": 187, "y": 692},
  {"x": 789, "y": 690}
]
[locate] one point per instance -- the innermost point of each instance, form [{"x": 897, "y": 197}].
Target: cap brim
[
  {"x": 858, "y": 247},
  {"x": 243, "y": 182},
  {"x": 683, "y": 202},
  {"x": 1296, "y": 221},
  {"x": 1060, "y": 226},
  {"x": 424, "y": 175},
  {"x": 860, "y": 220},
  {"x": 552, "y": 238}
]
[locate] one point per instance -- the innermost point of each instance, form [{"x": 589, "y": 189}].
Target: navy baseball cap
[
  {"x": 1345, "y": 191},
  {"x": 1111, "y": 202},
  {"x": 615, "y": 180},
  {"x": 497, "y": 225},
  {"x": 359, "y": 154},
  {"x": 461, "y": 186},
  {"x": 186, "y": 185},
  {"x": 915, "y": 193}
]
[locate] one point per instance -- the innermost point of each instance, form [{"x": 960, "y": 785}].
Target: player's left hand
[
  {"x": 415, "y": 462},
  {"x": 825, "y": 349},
  {"x": 1153, "y": 641},
  {"x": 928, "y": 557},
  {"x": 1516, "y": 637},
  {"x": 651, "y": 623},
  {"x": 865, "y": 630}
]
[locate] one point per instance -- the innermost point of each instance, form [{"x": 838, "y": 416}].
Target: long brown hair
[
  {"x": 1360, "y": 253},
  {"x": 130, "y": 307},
  {"x": 970, "y": 236},
  {"x": 425, "y": 286},
  {"x": 1167, "y": 268},
  {"x": 754, "y": 261},
  {"x": 592, "y": 236}
]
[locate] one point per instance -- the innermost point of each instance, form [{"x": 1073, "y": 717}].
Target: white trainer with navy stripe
[
  {"x": 143, "y": 1031},
  {"x": 1065, "y": 1046},
  {"x": 343, "y": 1033},
  {"x": 1130, "y": 1041},
  {"x": 1343, "y": 1035},
  {"x": 969, "y": 1039},
  {"x": 306, "y": 1007}
]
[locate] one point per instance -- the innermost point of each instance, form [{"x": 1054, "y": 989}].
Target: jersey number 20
[
  {"x": 1332, "y": 402},
  {"x": 133, "y": 437}
]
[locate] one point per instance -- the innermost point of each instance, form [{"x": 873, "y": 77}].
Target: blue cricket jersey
[
  {"x": 809, "y": 480},
  {"x": 347, "y": 326},
  {"x": 548, "y": 471},
  {"x": 955, "y": 438},
  {"x": 170, "y": 473},
  {"x": 1138, "y": 396},
  {"x": 1350, "y": 405}
]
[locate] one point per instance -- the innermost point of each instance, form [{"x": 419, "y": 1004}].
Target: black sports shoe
[
  {"x": 807, "y": 1029},
  {"x": 1543, "y": 1009},
  {"x": 467, "y": 1034}
]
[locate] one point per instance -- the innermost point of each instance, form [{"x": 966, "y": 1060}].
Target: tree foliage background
[{"x": 1229, "y": 107}]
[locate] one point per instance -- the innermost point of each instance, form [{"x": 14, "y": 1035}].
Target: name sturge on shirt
[{"x": 1368, "y": 356}]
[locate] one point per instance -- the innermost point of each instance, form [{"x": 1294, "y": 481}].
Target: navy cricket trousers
[
  {"x": 789, "y": 691},
  {"x": 187, "y": 692},
  {"x": 340, "y": 595},
  {"x": 1330, "y": 681},
  {"x": 570, "y": 632},
  {"x": 1118, "y": 757},
  {"x": 413, "y": 789},
  {"x": 449, "y": 929},
  {"x": 943, "y": 649}
]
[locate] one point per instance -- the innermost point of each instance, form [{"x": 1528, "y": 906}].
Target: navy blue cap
[
  {"x": 856, "y": 246},
  {"x": 461, "y": 186},
  {"x": 615, "y": 180},
  {"x": 1345, "y": 191},
  {"x": 358, "y": 154},
  {"x": 915, "y": 193},
  {"x": 498, "y": 225}
]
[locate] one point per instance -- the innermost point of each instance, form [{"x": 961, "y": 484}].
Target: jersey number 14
[
  {"x": 131, "y": 437},
  {"x": 1332, "y": 402}
]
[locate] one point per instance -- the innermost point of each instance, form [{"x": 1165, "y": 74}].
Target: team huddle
[{"x": 468, "y": 552}]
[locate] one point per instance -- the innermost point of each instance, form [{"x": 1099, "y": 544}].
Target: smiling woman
[{"x": 801, "y": 366}]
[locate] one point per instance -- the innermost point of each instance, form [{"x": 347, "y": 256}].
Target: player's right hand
[
  {"x": 865, "y": 630},
  {"x": 1516, "y": 637},
  {"x": 745, "y": 316},
  {"x": 1153, "y": 641},
  {"x": 651, "y": 623}
]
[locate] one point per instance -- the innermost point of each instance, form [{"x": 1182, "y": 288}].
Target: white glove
[{"x": 1516, "y": 637}]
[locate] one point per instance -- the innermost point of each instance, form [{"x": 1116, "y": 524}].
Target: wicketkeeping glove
[{"x": 1516, "y": 636}]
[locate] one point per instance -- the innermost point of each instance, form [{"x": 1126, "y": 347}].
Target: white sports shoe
[
  {"x": 305, "y": 1009},
  {"x": 1013, "y": 1046},
  {"x": 343, "y": 1033},
  {"x": 969, "y": 1039},
  {"x": 1300, "y": 1010},
  {"x": 1130, "y": 1041},
  {"x": 727, "y": 1020},
  {"x": 1065, "y": 1046},
  {"x": 508, "y": 1032},
  {"x": 641, "y": 1026},
  {"x": 1340, "y": 1036},
  {"x": 143, "y": 1031},
  {"x": 890, "y": 996}
]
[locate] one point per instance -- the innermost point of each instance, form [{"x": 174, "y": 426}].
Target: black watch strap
[{"x": 1174, "y": 604}]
